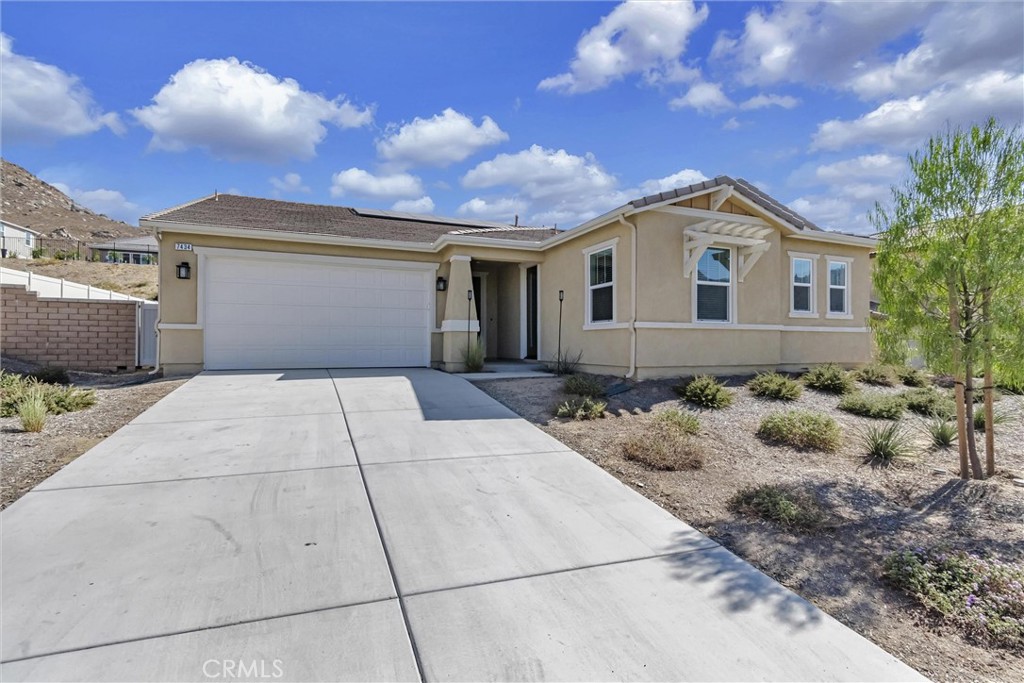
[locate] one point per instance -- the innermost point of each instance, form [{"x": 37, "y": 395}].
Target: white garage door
[{"x": 310, "y": 313}]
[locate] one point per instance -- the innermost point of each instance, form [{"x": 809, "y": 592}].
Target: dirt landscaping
[
  {"x": 27, "y": 458},
  {"x": 126, "y": 278},
  {"x": 869, "y": 511}
]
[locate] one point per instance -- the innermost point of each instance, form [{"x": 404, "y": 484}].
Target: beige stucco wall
[
  {"x": 181, "y": 350},
  {"x": 604, "y": 350},
  {"x": 763, "y": 334},
  {"x": 757, "y": 339}
]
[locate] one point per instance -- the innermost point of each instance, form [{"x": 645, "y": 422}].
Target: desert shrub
[
  {"x": 802, "y": 429},
  {"x": 998, "y": 418},
  {"x": 32, "y": 411},
  {"x": 706, "y": 391},
  {"x": 584, "y": 408},
  {"x": 829, "y": 378},
  {"x": 565, "y": 363},
  {"x": 52, "y": 374},
  {"x": 678, "y": 420},
  {"x": 984, "y": 598},
  {"x": 911, "y": 377},
  {"x": 775, "y": 386},
  {"x": 942, "y": 432},
  {"x": 885, "y": 444},
  {"x": 663, "y": 448},
  {"x": 783, "y": 505},
  {"x": 929, "y": 402},
  {"x": 879, "y": 375},
  {"x": 877, "y": 406},
  {"x": 583, "y": 385},
  {"x": 58, "y": 399},
  {"x": 473, "y": 356}
]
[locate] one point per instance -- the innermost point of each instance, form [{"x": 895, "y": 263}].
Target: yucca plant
[
  {"x": 584, "y": 408},
  {"x": 886, "y": 444},
  {"x": 942, "y": 432}
]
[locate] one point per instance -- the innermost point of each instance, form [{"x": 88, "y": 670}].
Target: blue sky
[{"x": 553, "y": 111}]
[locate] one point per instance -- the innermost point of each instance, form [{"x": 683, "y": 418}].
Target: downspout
[
  {"x": 632, "y": 296},
  {"x": 160, "y": 308}
]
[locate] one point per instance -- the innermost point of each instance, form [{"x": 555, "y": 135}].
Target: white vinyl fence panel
[{"x": 57, "y": 288}]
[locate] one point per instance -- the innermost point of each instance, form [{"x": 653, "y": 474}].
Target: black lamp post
[
  {"x": 561, "y": 298},
  {"x": 469, "y": 316}
]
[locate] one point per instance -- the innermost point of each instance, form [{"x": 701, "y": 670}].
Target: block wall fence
[{"x": 78, "y": 334}]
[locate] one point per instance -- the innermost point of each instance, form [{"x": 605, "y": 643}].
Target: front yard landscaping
[
  {"x": 64, "y": 420},
  {"x": 853, "y": 507}
]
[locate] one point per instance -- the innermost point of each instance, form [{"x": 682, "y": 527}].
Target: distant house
[
  {"x": 17, "y": 241},
  {"x": 137, "y": 250}
]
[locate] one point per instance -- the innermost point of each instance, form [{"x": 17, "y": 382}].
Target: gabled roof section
[
  {"x": 740, "y": 186},
  {"x": 271, "y": 215}
]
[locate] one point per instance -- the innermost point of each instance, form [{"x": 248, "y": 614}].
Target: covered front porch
[{"x": 494, "y": 303}]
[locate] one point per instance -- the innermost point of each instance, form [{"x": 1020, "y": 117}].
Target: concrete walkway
[{"x": 379, "y": 525}]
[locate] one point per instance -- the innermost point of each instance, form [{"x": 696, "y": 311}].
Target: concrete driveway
[{"x": 379, "y": 525}]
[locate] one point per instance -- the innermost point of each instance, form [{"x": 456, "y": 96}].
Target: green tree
[{"x": 950, "y": 268}]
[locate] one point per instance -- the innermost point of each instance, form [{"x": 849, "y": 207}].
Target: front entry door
[{"x": 531, "y": 312}]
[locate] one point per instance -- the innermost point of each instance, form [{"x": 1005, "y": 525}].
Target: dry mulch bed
[
  {"x": 871, "y": 511},
  {"x": 127, "y": 278},
  {"x": 28, "y": 458}
]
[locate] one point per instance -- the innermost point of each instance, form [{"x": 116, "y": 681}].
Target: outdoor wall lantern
[
  {"x": 184, "y": 270},
  {"x": 442, "y": 284}
]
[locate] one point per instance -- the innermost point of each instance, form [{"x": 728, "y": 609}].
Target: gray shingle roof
[
  {"x": 252, "y": 213},
  {"x": 739, "y": 185}
]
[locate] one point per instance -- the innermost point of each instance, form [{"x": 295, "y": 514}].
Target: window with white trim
[
  {"x": 28, "y": 239},
  {"x": 838, "y": 288},
  {"x": 801, "y": 299},
  {"x": 601, "y": 286},
  {"x": 714, "y": 286}
]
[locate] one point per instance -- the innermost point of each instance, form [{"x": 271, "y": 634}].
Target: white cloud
[
  {"x": 957, "y": 43},
  {"x": 41, "y": 102},
  {"x": 865, "y": 167},
  {"x": 503, "y": 209},
  {"x": 440, "y": 140},
  {"x": 687, "y": 176},
  {"x": 832, "y": 213},
  {"x": 762, "y": 101},
  {"x": 422, "y": 205},
  {"x": 360, "y": 183},
  {"x": 848, "y": 45},
  {"x": 556, "y": 187},
  {"x": 905, "y": 122},
  {"x": 291, "y": 183},
  {"x": 646, "y": 38},
  {"x": 814, "y": 42},
  {"x": 237, "y": 111},
  {"x": 107, "y": 202},
  {"x": 731, "y": 124},
  {"x": 704, "y": 97},
  {"x": 540, "y": 172}
]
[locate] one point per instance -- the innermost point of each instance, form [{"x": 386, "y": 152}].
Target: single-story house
[
  {"x": 137, "y": 250},
  {"x": 713, "y": 277},
  {"x": 17, "y": 241}
]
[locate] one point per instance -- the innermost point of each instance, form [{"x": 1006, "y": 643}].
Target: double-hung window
[
  {"x": 601, "y": 285},
  {"x": 801, "y": 302},
  {"x": 838, "y": 288},
  {"x": 714, "y": 286}
]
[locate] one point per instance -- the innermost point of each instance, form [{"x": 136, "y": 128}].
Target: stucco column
[{"x": 459, "y": 315}]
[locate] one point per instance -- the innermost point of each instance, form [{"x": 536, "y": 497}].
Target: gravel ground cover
[
  {"x": 870, "y": 511},
  {"x": 28, "y": 458}
]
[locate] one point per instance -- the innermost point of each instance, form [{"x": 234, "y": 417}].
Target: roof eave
[{"x": 315, "y": 238}]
